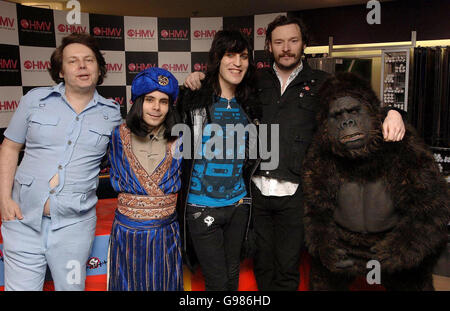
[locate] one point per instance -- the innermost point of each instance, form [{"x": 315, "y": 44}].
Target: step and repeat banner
[
  {"x": 130, "y": 44},
  {"x": 28, "y": 36}
]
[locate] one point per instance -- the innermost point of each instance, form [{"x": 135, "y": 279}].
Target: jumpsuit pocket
[
  {"x": 24, "y": 192},
  {"x": 42, "y": 128},
  {"x": 23, "y": 184},
  {"x": 95, "y": 137}
]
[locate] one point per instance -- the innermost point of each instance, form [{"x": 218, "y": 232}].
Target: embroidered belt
[{"x": 146, "y": 207}]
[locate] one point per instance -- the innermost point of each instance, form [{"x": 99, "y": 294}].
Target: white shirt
[
  {"x": 273, "y": 186},
  {"x": 291, "y": 78}
]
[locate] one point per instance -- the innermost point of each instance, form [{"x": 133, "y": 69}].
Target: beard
[{"x": 297, "y": 56}]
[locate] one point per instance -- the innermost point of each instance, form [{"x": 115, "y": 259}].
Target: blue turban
[{"x": 154, "y": 79}]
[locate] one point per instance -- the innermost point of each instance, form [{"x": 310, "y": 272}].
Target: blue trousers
[
  {"x": 28, "y": 252},
  {"x": 145, "y": 255}
]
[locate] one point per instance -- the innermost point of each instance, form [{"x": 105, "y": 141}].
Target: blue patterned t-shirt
[{"x": 217, "y": 178}]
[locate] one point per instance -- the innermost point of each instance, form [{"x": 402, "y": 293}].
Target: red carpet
[{"x": 194, "y": 282}]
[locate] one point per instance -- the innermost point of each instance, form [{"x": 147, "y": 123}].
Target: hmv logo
[
  {"x": 119, "y": 100},
  {"x": 176, "y": 67},
  {"x": 247, "y": 31},
  {"x": 114, "y": 67},
  {"x": 6, "y": 22},
  {"x": 7, "y": 105},
  {"x": 35, "y": 25},
  {"x": 134, "y": 67},
  {"x": 204, "y": 33},
  {"x": 261, "y": 65},
  {"x": 8, "y": 63},
  {"x": 141, "y": 33},
  {"x": 200, "y": 67},
  {"x": 36, "y": 65},
  {"x": 261, "y": 31},
  {"x": 72, "y": 28},
  {"x": 174, "y": 33},
  {"x": 107, "y": 32}
]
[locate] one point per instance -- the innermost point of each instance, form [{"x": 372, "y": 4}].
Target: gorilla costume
[{"x": 367, "y": 199}]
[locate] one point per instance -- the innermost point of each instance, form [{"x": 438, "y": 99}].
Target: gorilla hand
[
  {"x": 345, "y": 262},
  {"x": 336, "y": 259}
]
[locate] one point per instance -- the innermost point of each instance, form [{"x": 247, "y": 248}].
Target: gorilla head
[{"x": 350, "y": 120}]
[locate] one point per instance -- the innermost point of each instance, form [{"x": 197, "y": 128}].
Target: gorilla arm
[
  {"x": 421, "y": 196},
  {"x": 319, "y": 189}
]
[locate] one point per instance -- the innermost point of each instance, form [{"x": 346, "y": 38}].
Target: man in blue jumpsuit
[{"x": 47, "y": 204}]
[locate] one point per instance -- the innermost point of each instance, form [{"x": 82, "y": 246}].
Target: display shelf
[
  {"x": 394, "y": 81},
  {"x": 442, "y": 157}
]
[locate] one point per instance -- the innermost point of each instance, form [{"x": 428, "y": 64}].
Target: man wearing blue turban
[{"x": 145, "y": 247}]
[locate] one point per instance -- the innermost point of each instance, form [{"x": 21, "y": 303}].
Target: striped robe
[{"x": 145, "y": 246}]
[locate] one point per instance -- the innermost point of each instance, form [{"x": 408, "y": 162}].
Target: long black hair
[
  {"x": 135, "y": 120},
  {"x": 235, "y": 42}
]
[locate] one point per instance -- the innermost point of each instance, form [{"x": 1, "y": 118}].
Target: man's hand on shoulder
[
  {"x": 193, "y": 81},
  {"x": 393, "y": 126}
]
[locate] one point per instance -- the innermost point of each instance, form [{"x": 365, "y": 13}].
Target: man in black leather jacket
[{"x": 216, "y": 191}]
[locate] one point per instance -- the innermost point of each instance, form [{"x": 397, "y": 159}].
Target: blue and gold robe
[{"x": 145, "y": 246}]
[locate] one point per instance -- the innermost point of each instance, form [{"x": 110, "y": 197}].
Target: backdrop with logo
[
  {"x": 28, "y": 36},
  {"x": 130, "y": 44}
]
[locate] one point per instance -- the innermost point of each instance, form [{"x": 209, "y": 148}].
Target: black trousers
[
  {"x": 278, "y": 228},
  {"x": 217, "y": 235}
]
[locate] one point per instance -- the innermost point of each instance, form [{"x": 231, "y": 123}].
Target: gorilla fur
[{"x": 411, "y": 181}]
